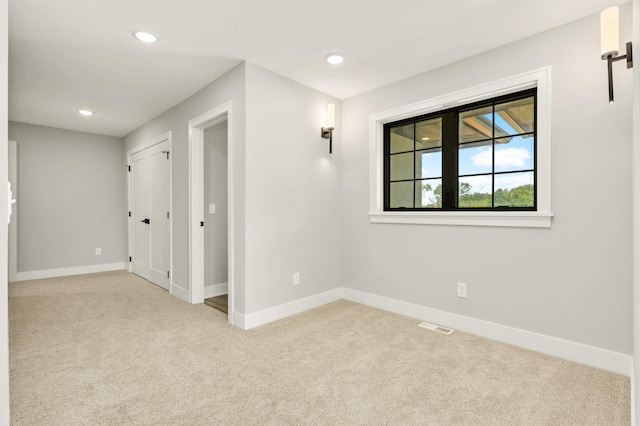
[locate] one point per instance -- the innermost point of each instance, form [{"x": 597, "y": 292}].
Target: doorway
[
  {"x": 216, "y": 231},
  {"x": 149, "y": 177},
  {"x": 197, "y": 220}
]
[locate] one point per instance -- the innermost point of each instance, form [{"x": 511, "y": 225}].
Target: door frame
[
  {"x": 159, "y": 139},
  {"x": 197, "y": 126}
]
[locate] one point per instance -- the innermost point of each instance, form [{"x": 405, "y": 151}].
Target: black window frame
[{"x": 450, "y": 149}]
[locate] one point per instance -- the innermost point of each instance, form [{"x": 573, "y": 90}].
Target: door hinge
[
  {"x": 167, "y": 215},
  {"x": 129, "y": 168},
  {"x": 129, "y": 258},
  {"x": 166, "y": 152},
  {"x": 129, "y": 214},
  {"x": 201, "y": 223},
  {"x": 168, "y": 274}
]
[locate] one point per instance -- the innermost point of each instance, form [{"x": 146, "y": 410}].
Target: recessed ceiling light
[
  {"x": 145, "y": 37},
  {"x": 334, "y": 59},
  {"x": 85, "y": 112},
  {"x": 425, "y": 139}
]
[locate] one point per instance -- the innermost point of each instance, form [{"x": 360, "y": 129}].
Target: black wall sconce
[
  {"x": 609, "y": 42},
  {"x": 327, "y": 132}
]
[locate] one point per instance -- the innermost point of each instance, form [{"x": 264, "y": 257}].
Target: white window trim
[{"x": 541, "y": 218}]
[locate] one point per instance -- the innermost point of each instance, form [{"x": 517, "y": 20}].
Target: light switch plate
[{"x": 212, "y": 209}]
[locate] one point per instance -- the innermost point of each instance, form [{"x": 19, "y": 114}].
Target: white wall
[
  {"x": 4, "y": 321},
  {"x": 71, "y": 198},
  {"x": 572, "y": 281},
  {"x": 215, "y": 192},
  {"x": 282, "y": 171},
  {"x": 293, "y": 192},
  {"x": 636, "y": 213},
  {"x": 229, "y": 87}
]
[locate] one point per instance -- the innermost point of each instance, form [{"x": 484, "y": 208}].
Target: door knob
[{"x": 147, "y": 221}]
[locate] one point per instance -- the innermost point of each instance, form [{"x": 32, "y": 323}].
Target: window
[
  {"x": 448, "y": 187},
  {"x": 475, "y": 156}
]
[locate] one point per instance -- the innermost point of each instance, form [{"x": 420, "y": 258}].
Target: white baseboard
[
  {"x": 237, "y": 319},
  {"x": 572, "y": 351},
  {"x": 179, "y": 292},
  {"x": 214, "y": 290},
  {"x": 65, "y": 272},
  {"x": 287, "y": 309}
]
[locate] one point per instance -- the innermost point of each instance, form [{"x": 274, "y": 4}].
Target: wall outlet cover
[{"x": 462, "y": 290}]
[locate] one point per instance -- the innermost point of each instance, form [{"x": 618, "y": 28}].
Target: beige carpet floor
[{"x": 113, "y": 349}]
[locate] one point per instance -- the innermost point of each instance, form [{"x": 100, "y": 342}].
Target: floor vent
[{"x": 438, "y": 328}]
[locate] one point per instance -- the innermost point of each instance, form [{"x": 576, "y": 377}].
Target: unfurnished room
[{"x": 280, "y": 212}]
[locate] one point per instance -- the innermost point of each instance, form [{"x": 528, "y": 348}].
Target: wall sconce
[
  {"x": 327, "y": 132},
  {"x": 609, "y": 43}
]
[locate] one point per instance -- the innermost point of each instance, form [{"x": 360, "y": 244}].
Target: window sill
[{"x": 466, "y": 218}]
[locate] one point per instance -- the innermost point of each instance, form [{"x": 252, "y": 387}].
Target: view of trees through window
[{"x": 520, "y": 196}]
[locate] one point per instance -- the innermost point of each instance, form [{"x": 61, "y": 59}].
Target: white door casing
[
  {"x": 150, "y": 210},
  {"x": 197, "y": 127}
]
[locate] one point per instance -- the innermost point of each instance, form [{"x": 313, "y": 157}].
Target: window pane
[
  {"x": 401, "y": 194},
  {"x": 493, "y": 166},
  {"x": 474, "y": 191},
  {"x": 401, "y": 138},
  {"x": 429, "y": 193},
  {"x": 514, "y": 190},
  {"x": 515, "y": 117},
  {"x": 514, "y": 153},
  {"x": 429, "y": 164},
  {"x": 474, "y": 159},
  {"x": 476, "y": 124},
  {"x": 402, "y": 166},
  {"x": 429, "y": 133}
]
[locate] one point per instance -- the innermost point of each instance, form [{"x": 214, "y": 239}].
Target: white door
[{"x": 150, "y": 221}]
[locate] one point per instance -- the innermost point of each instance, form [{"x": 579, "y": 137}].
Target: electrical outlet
[
  {"x": 462, "y": 290},
  {"x": 296, "y": 278},
  {"x": 98, "y": 252}
]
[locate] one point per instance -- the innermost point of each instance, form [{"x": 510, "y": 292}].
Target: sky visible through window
[{"x": 512, "y": 154}]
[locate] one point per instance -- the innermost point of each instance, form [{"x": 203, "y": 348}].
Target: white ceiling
[{"x": 70, "y": 54}]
